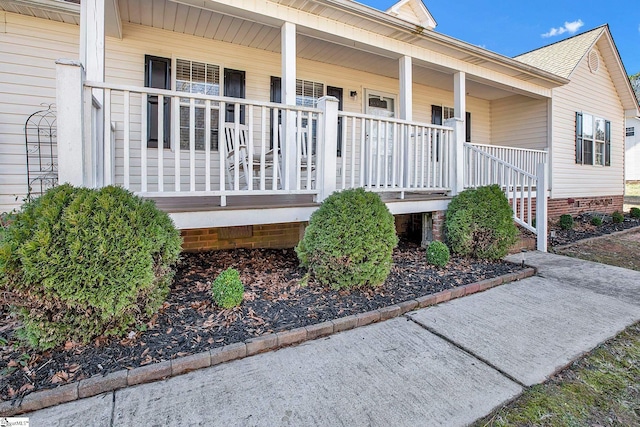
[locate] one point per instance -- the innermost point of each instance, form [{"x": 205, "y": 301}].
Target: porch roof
[{"x": 257, "y": 25}]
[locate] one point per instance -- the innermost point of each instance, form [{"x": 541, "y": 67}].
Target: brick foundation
[
  {"x": 253, "y": 236},
  {"x": 578, "y": 205}
]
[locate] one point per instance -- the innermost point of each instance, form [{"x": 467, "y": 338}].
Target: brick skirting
[
  {"x": 278, "y": 236},
  {"x": 578, "y": 205}
]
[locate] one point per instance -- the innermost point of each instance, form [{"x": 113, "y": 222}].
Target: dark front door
[
  {"x": 337, "y": 93},
  {"x": 234, "y": 87}
]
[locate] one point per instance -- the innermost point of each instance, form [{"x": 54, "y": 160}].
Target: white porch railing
[
  {"x": 393, "y": 155},
  {"x": 520, "y": 187},
  {"x": 202, "y": 153},
  {"x": 521, "y": 158}
]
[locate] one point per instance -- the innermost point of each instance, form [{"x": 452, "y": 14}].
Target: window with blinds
[
  {"x": 201, "y": 78},
  {"x": 308, "y": 93}
]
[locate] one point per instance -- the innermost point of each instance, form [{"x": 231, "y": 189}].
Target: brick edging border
[{"x": 170, "y": 368}]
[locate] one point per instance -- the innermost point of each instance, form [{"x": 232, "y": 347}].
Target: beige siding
[
  {"x": 28, "y": 48},
  {"x": 27, "y": 78},
  {"x": 593, "y": 94},
  {"x": 521, "y": 122},
  {"x": 125, "y": 64}
]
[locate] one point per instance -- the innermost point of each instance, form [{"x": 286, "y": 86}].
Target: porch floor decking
[{"x": 212, "y": 203}]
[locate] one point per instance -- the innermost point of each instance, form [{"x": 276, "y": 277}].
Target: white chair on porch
[
  {"x": 308, "y": 159},
  {"x": 247, "y": 170}
]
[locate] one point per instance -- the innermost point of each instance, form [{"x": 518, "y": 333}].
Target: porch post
[
  {"x": 288, "y": 140},
  {"x": 457, "y": 152},
  {"x": 70, "y": 109},
  {"x": 406, "y": 88},
  {"x": 92, "y": 39},
  {"x": 92, "y": 51},
  {"x": 327, "y": 147},
  {"x": 541, "y": 207}
]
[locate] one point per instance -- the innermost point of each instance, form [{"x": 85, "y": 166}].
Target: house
[
  {"x": 632, "y": 149},
  {"x": 239, "y": 118},
  {"x": 586, "y": 162}
]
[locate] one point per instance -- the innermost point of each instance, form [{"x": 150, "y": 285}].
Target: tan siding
[
  {"x": 593, "y": 94},
  {"x": 29, "y": 48},
  {"x": 518, "y": 121}
]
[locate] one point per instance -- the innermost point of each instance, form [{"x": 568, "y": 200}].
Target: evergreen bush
[
  {"x": 617, "y": 217},
  {"x": 596, "y": 220},
  {"x": 479, "y": 223},
  {"x": 438, "y": 254},
  {"x": 635, "y": 212},
  {"x": 77, "y": 263},
  {"x": 227, "y": 290},
  {"x": 349, "y": 241},
  {"x": 566, "y": 222}
]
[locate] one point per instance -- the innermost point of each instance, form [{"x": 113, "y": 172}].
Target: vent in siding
[{"x": 594, "y": 61}]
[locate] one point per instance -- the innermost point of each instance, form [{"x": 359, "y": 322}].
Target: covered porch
[{"x": 237, "y": 154}]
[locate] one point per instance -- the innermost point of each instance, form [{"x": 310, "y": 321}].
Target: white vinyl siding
[
  {"x": 596, "y": 94},
  {"x": 29, "y": 48},
  {"x": 632, "y": 154},
  {"x": 521, "y": 122}
]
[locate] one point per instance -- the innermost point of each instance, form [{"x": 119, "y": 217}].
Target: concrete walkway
[{"x": 445, "y": 365}]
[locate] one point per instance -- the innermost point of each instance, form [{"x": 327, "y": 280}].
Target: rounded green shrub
[
  {"x": 596, "y": 220},
  {"x": 438, "y": 254},
  {"x": 566, "y": 222},
  {"x": 479, "y": 223},
  {"x": 349, "y": 241},
  {"x": 617, "y": 217},
  {"x": 227, "y": 290},
  {"x": 635, "y": 212},
  {"x": 77, "y": 263}
]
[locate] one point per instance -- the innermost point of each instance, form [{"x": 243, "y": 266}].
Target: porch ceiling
[{"x": 311, "y": 44}]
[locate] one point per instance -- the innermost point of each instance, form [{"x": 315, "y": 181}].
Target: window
[
  {"x": 631, "y": 131},
  {"x": 439, "y": 114},
  {"x": 197, "y": 77},
  {"x": 308, "y": 93},
  {"x": 593, "y": 140}
]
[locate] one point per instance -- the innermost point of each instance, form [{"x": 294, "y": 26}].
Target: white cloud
[{"x": 569, "y": 27}]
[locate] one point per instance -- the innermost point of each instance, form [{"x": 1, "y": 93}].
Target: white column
[
  {"x": 406, "y": 88},
  {"x": 288, "y": 139},
  {"x": 69, "y": 106},
  {"x": 456, "y": 150},
  {"x": 459, "y": 95},
  {"x": 541, "y": 207},
  {"x": 92, "y": 39},
  {"x": 327, "y": 147}
]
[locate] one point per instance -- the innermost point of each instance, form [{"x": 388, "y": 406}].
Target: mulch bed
[
  {"x": 583, "y": 229},
  {"x": 276, "y": 299}
]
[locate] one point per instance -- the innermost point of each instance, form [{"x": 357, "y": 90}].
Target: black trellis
[{"x": 42, "y": 152}]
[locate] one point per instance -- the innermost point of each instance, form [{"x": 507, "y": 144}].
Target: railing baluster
[
  {"x": 161, "y": 143},
  {"x": 192, "y": 144},
  {"x": 250, "y": 150},
  {"x": 222, "y": 151},
  {"x": 177, "y": 145},
  {"x": 263, "y": 147},
  {"x": 207, "y": 145}
]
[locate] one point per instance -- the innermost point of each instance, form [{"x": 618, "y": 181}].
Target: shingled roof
[{"x": 563, "y": 57}]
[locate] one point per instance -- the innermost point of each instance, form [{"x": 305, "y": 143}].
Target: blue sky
[{"x": 521, "y": 26}]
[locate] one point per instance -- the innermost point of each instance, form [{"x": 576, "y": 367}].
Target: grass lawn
[
  {"x": 602, "y": 389},
  {"x": 633, "y": 189}
]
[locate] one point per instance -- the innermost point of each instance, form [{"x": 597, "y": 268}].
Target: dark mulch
[
  {"x": 188, "y": 323},
  {"x": 583, "y": 229}
]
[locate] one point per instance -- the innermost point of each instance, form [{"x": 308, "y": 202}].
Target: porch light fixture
[{"x": 353, "y": 94}]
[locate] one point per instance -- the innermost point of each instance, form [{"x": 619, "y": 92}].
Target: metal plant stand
[{"x": 42, "y": 153}]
